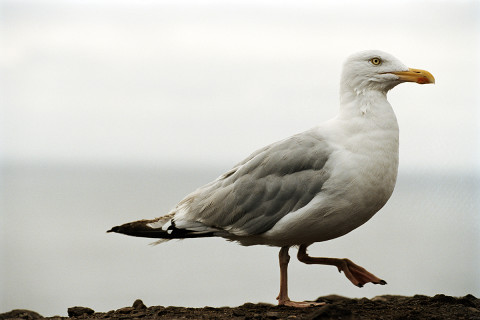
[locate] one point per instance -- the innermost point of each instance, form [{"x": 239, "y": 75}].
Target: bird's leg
[
  {"x": 356, "y": 274},
  {"x": 283, "y": 299},
  {"x": 283, "y": 258}
]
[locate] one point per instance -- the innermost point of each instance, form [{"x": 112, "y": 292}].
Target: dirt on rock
[{"x": 336, "y": 307}]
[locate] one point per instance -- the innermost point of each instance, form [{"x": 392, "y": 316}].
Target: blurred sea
[{"x": 55, "y": 253}]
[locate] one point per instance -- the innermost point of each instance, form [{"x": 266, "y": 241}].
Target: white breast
[{"x": 363, "y": 170}]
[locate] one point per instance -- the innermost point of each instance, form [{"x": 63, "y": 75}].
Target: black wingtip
[
  {"x": 140, "y": 229},
  {"x": 114, "y": 229}
]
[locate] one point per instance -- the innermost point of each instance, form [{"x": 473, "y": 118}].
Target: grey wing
[{"x": 252, "y": 197}]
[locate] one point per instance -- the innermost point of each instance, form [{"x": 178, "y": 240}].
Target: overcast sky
[
  {"x": 203, "y": 84},
  {"x": 143, "y": 82}
]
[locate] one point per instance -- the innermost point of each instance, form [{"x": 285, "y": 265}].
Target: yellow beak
[{"x": 415, "y": 75}]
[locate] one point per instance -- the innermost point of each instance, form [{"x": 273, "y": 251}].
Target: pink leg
[
  {"x": 283, "y": 299},
  {"x": 356, "y": 274},
  {"x": 283, "y": 258}
]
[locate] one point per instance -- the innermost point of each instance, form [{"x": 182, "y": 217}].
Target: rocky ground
[{"x": 336, "y": 307}]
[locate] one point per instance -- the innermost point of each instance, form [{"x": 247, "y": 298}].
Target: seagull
[{"x": 311, "y": 187}]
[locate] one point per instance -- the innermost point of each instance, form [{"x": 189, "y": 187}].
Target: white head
[{"x": 378, "y": 70}]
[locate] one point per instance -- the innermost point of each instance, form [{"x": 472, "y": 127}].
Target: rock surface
[{"x": 336, "y": 307}]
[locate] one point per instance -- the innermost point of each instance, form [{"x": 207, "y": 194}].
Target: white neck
[{"x": 361, "y": 103}]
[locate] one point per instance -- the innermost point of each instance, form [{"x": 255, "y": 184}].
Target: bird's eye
[{"x": 376, "y": 61}]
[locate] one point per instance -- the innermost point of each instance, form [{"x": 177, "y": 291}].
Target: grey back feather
[{"x": 252, "y": 197}]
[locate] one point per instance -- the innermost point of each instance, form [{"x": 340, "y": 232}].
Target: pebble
[
  {"x": 79, "y": 311},
  {"x": 139, "y": 305},
  {"x": 125, "y": 310},
  {"x": 21, "y": 314},
  {"x": 272, "y": 315}
]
